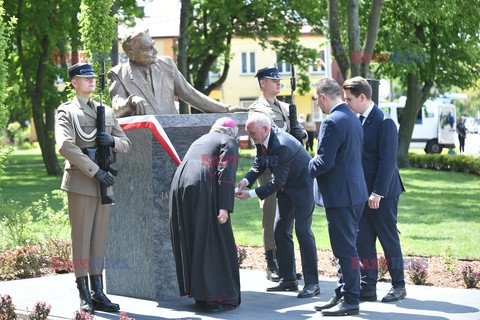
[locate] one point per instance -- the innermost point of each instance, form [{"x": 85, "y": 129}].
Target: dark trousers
[
  {"x": 287, "y": 214},
  {"x": 309, "y": 144},
  {"x": 382, "y": 224},
  {"x": 461, "y": 141},
  {"x": 342, "y": 229}
]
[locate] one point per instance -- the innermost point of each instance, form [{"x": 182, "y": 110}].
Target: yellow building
[{"x": 241, "y": 87}]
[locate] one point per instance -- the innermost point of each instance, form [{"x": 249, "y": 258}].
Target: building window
[
  {"x": 318, "y": 65},
  {"x": 248, "y": 63},
  {"x": 284, "y": 68}
]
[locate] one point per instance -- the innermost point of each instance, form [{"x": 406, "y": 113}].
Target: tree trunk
[
  {"x": 114, "y": 52},
  {"x": 353, "y": 34},
  {"x": 335, "y": 39},
  {"x": 183, "y": 47},
  {"x": 35, "y": 90},
  {"x": 372, "y": 33},
  {"x": 415, "y": 99}
]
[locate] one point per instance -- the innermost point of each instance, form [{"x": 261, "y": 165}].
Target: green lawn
[
  {"x": 439, "y": 208},
  {"x": 26, "y": 180}
]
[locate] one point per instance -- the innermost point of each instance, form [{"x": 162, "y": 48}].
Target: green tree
[
  {"x": 355, "y": 61},
  {"x": 39, "y": 50},
  {"x": 3, "y": 70},
  {"x": 433, "y": 43},
  {"x": 94, "y": 16},
  {"x": 43, "y": 26},
  {"x": 183, "y": 46},
  {"x": 471, "y": 105},
  {"x": 213, "y": 23}
]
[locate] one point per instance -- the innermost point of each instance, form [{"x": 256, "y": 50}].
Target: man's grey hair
[
  {"x": 229, "y": 131},
  {"x": 259, "y": 119},
  {"x": 129, "y": 40},
  {"x": 329, "y": 87}
]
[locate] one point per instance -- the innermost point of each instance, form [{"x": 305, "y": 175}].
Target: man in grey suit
[
  {"x": 75, "y": 132},
  {"x": 146, "y": 84},
  {"x": 379, "y": 219},
  {"x": 340, "y": 187},
  {"x": 267, "y": 103},
  {"x": 287, "y": 160}
]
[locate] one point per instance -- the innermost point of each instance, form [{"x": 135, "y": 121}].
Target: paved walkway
[{"x": 422, "y": 302}]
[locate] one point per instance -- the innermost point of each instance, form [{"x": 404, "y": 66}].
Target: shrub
[
  {"x": 7, "y": 308},
  {"x": 55, "y": 224},
  {"x": 23, "y": 262},
  {"x": 242, "y": 254},
  {"x": 418, "y": 274},
  {"x": 16, "y": 224},
  {"x": 40, "y": 311},
  {"x": 123, "y": 315},
  {"x": 449, "y": 258},
  {"x": 82, "y": 315},
  {"x": 458, "y": 163},
  {"x": 57, "y": 250},
  {"x": 470, "y": 277},
  {"x": 20, "y": 135},
  {"x": 382, "y": 267}
]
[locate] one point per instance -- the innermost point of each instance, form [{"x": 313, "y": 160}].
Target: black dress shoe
[
  {"x": 342, "y": 309},
  {"x": 309, "y": 290},
  {"x": 272, "y": 275},
  {"x": 215, "y": 307},
  {"x": 331, "y": 303},
  {"x": 201, "y": 303},
  {"x": 368, "y": 296},
  {"x": 395, "y": 294},
  {"x": 285, "y": 285}
]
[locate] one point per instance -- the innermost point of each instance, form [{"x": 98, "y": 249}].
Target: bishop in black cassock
[{"x": 201, "y": 200}]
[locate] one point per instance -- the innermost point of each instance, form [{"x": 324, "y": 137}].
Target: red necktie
[{"x": 264, "y": 149}]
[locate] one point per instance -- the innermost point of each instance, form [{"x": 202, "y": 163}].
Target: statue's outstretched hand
[
  {"x": 237, "y": 109},
  {"x": 139, "y": 105}
]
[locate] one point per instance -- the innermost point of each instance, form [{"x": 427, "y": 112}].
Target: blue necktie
[{"x": 361, "y": 119}]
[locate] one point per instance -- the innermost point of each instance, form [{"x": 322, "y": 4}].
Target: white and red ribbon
[{"x": 150, "y": 122}]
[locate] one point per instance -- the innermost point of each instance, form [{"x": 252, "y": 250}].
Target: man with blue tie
[
  {"x": 288, "y": 161},
  {"x": 340, "y": 187},
  {"x": 379, "y": 219}
]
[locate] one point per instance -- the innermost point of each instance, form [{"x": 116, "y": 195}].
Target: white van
[
  {"x": 471, "y": 124},
  {"x": 434, "y": 126}
]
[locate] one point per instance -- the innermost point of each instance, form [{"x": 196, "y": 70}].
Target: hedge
[{"x": 459, "y": 163}]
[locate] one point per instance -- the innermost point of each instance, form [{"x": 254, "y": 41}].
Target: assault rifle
[
  {"x": 295, "y": 129},
  {"x": 105, "y": 155}
]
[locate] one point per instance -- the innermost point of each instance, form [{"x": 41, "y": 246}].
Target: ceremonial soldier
[{"x": 77, "y": 138}]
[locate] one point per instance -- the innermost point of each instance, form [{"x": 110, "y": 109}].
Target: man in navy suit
[
  {"x": 288, "y": 161},
  {"x": 340, "y": 188},
  {"x": 379, "y": 219}
]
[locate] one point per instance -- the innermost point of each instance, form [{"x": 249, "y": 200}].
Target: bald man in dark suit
[{"x": 288, "y": 161}]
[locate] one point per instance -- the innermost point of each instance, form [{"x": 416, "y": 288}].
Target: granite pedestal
[{"x": 139, "y": 258}]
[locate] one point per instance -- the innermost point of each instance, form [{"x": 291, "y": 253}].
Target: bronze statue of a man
[{"x": 147, "y": 84}]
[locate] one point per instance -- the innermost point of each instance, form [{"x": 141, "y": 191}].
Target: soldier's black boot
[
  {"x": 86, "y": 304},
  {"x": 272, "y": 269},
  {"x": 99, "y": 299}
]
